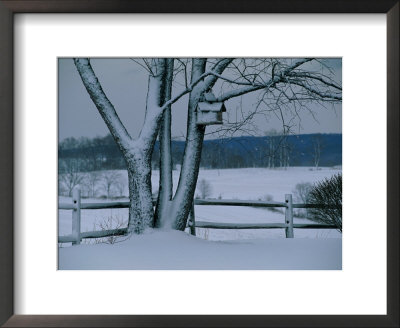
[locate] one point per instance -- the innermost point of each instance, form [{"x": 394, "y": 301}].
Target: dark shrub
[{"x": 328, "y": 195}]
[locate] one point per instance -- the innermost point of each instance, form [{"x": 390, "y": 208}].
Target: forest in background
[{"x": 273, "y": 151}]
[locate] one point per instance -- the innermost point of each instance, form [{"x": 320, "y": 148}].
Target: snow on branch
[
  {"x": 212, "y": 75},
  {"x": 186, "y": 91},
  {"x": 216, "y": 71},
  {"x": 103, "y": 104},
  {"x": 242, "y": 91}
]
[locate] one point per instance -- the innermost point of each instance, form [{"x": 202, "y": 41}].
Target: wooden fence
[{"x": 76, "y": 206}]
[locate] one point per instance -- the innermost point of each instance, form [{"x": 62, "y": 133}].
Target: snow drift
[{"x": 175, "y": 250}]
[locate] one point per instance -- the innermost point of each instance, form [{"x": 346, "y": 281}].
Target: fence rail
[
  {"x": 221, "y": 225},
  {"x": 209, "y": 202},
  {"x": 76, "y": 206}
]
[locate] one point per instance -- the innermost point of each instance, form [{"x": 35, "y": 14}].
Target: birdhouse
[{"x": 210, "y": 111}]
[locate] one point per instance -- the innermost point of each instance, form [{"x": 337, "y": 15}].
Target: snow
[
  {"x": 212, "y": 248},
  {"x": 250, "y": 183},
  {"x": 174, "y": 250}
]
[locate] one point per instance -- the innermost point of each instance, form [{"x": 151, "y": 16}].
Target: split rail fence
[{"x": 77, "y": 235}]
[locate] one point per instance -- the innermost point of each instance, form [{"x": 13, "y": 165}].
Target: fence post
[
  {"x": 192, "y": 221},
  {"x": 76, "y": 216},
  {"x": 289, "y": 216}
]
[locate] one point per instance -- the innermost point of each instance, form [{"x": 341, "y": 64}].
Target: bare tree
[
  {"x": 278, "y": 148},
  {"x": 281, "y": 84},
  {"x": 317, "y": 145},
  {"x": 272, "y": 146},
  {"x": 301, "y": 194},
  {"x": 71, "y": 176},
  {"x": 110, "y": 181},
  {"x": 136, "y": 151},
  {"x": 120, "y": 186},
  {"x": 285, "y": 150},
  {"x": 205, "y": 189},
  {"x": 91, "y": 182}
]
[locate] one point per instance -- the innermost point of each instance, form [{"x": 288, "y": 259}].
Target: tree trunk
[
  {"x": 137, "y": 153},
  {"x": 141, "y": 215},
  {"x": 176, "y": 212},
  {"x": 165, "y": 184},
  {"x": 183, "y": 198}
]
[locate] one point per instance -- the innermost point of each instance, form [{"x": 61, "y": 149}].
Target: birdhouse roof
[{"x": 211, "y": 107}]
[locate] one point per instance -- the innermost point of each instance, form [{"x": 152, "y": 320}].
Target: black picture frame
[{"x": 10, "y": 7}]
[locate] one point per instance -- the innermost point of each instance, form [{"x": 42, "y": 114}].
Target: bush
[
  {"x": 328, "y": 194},
  {"x": 110, "y": 223}
]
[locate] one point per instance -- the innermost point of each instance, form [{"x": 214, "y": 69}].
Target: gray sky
[{"x": 125, "y": 84}]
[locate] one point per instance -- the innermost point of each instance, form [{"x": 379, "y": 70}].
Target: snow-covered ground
[
  {"x": 212, "y": 248},
  {"x": 175, "y": 250}
]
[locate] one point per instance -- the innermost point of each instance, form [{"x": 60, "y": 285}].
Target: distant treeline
[{"x": 102, "y": 153}]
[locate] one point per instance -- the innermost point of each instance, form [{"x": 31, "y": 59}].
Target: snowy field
[
  {"x": 320, "y": 246},
  {"x": 175, "y": 250},
  {"x": 245, "y": 184}
]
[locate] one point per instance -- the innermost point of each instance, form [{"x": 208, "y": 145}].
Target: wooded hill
[{"x": 101, "y": 153}]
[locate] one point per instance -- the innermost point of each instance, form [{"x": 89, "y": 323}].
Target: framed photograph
[
  {"x": 259, "y": 170},
  {"x": 183, "y": 165}
]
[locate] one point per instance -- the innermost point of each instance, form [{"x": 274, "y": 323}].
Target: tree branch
[
  {"x": 276, "y": 78},
  {"x": 316, "y": 92},
  {"x": 186, "y": 91},
  {"x": 217, "y": 69},
  {"x": 309, "y": 76},
  {"x": 103, "y": 104}
]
